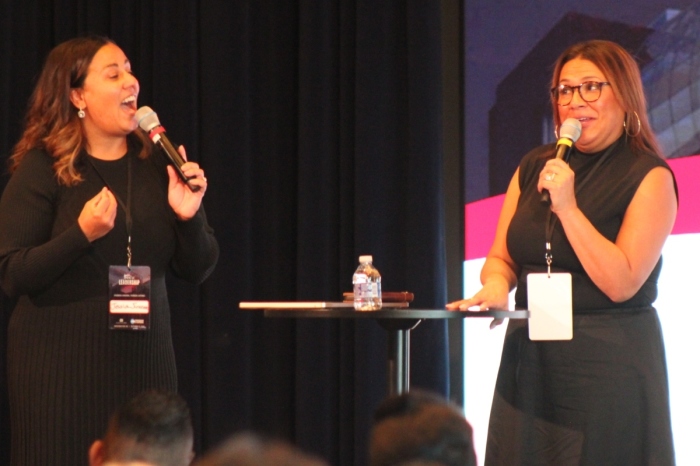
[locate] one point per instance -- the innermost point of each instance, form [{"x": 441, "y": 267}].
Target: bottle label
[{"x": 365, "y": 290}]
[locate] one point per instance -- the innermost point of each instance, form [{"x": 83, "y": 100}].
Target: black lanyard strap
[
  {"x": 126, "y": 207},
  {"x": 553, "y": 219}
]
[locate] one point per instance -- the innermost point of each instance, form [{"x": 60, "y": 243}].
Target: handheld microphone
[
  {"x": 149, "y": 123},
  {"x": 569, "y": 132}
]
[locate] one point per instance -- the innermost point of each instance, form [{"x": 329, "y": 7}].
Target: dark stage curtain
[{"x": 319, "y": 127}]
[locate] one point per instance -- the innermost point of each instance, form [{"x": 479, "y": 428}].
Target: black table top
[{"x": 393, "y": 313}]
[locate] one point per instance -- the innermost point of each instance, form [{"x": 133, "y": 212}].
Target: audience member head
[
  {"x": 247, "y": 449},
  {"x": 155, "y": 428},
  {"x": 420, "y": 428}
]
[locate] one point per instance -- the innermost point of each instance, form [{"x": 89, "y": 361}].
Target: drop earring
[{"x": 81, "y": 113}]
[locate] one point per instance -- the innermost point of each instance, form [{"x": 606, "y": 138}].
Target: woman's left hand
[
  {"x": 183, "y": 201},
  {"x": 558, "y": 178}
]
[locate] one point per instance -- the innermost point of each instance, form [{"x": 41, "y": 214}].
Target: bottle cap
[{"x": 365, "y": 258}]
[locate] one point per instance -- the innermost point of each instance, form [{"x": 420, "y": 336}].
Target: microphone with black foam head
[
  {"x": 149, "y": 123},
  {"x": 569, "y": 132}
]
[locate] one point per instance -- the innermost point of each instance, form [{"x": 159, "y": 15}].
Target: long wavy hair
[
  {"x": 52, "y": 122},
  {"x": 622, "y": 71}
]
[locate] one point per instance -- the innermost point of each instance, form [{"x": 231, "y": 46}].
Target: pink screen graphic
[{"x": 481, "y": 217}]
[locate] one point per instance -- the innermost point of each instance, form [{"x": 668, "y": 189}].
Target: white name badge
[{"x": 549, "y": 300}]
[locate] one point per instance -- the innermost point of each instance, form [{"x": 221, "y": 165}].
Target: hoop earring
[
  {"x": 627, "y": 129},
  {"x": 81, "y": 113},
  {"x": 556, "y": 132}
]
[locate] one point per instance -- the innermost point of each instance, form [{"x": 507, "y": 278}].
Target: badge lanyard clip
[
  {"x": 128, "y": 253},
  {"x": 549, "y": 231}
]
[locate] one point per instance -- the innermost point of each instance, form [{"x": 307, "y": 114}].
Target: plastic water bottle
[{"x": 367, "y": 286}]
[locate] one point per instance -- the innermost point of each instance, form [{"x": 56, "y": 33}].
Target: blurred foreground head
[
  {"x": 420, "y": 428},
  {"x": 154, "y": 428},
  {"x": 247, "y": 449}
]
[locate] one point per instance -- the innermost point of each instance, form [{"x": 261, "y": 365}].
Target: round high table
[{"x": 398, "y": 322}]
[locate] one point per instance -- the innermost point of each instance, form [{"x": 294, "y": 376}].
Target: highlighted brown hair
[{"x": 51, "y": 122}]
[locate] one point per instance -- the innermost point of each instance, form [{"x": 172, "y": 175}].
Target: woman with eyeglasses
[{"x": 588, "y": 260}]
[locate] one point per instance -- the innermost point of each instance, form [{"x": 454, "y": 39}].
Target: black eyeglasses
[{"x": 589, "y": 91}]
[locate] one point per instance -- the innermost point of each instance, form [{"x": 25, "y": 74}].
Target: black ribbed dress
[
  {"x": 602, "y": 397},
  {"x": 66, "y": 370}
]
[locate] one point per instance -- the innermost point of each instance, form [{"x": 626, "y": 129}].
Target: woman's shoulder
[
  {"x": 37, "y": 157},
  {"x": 654, "y": 160},
  {"x": 640, "y": 161},
  {"x": 34, "y": 175},
  {"x": 534, "y": 160},
  {"x": 36, "y": 163},
  {"x": 649, "y": 161},
  {"x": 538, "y": 154}
]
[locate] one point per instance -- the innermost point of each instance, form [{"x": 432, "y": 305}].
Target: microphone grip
[
  {"x": 176, "y": 160},
  {"x": 563, "y": 153},
  {"x": 544, "y": 197}
]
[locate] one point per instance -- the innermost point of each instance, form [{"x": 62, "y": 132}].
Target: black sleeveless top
[{"x": 605, "y": 185}]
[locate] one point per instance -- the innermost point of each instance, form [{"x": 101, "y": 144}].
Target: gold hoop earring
[
  {"x": 81, "y": 113},
  {"x": 627, "y": 129}
]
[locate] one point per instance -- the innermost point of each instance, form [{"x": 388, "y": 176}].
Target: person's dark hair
[
  {"x": 249, "y": 449},
  {"x": 51, "y": 122},
  {"x": 155, "y": 426},
  {"x": 420, "y": 427},
  {"x": 622, "y": 71}
]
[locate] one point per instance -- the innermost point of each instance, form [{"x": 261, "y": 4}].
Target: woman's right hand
[
  {"x": 493, "y": 295},
  {"x": 499, "y": 273},
  {"x": 98, "y": 214}
]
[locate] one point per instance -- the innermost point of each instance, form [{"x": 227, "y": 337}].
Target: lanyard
[
  {"x": 552, "y": 220},
  {"x": 126, "y": 207},
  {"x": 548, "y": 231}
]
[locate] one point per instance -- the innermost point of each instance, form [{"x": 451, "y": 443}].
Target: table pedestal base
[
  {"x": 398, "y": 323},
  {"x": 399, "y": 336}
]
